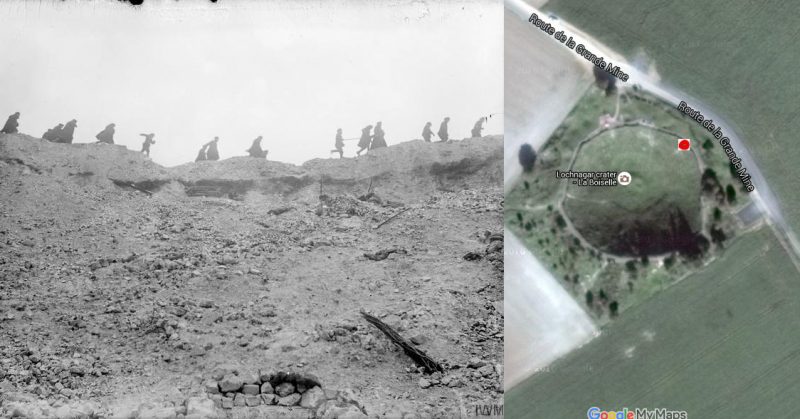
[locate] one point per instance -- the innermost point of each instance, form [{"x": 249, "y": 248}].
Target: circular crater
[{"x": 658, "y": 212}]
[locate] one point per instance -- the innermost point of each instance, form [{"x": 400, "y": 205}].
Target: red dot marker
[{"x": 684, "y": 144}]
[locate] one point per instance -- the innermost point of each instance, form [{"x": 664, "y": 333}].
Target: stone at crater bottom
[
  {"x": 251, "y": 389},
  {"x": 290, "y": 400},
  {"x": 312, "y": 398},
  {"x": 284, "y": 389},
  {"x": 230, "y": 383}
]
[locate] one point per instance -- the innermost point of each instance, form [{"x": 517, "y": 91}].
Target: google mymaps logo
[
  {"x": 625, "y": 413},
  {"x": 596, "y": 413}
]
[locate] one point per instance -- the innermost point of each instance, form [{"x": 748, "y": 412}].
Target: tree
[
  {"x": 604, "y": 80},
  {"x": 589, "y": 298},
  {"x": 527, "y": 157},
  {"x": 717, "y": 235},
  {"x": 730, "y": 192},
  {"x": 603, "y": 295},
  {"x": 613, "y": 307},
  {"x": 527, "y": 185},
  {"x": 709, "y": 181},
  {"x": 669, "y": 261},
  {"x": 717, "y": 213}
]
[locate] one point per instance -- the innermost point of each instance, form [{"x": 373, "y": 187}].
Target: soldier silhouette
[
  {"x": 427, "y": 132},
  {"x": 11, "y": 124},
  {"x": 106, "y": 135},
  {"x": 443, "y": 134},
  {"x": 148, "y": 139}
]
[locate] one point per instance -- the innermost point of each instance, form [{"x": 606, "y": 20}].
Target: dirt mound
[
  {"x": 416, "y": 166},
  {"x": 122, "y": 290},
  {"x": 61, "y": 160},
  {"x": 402, "y": 171}
]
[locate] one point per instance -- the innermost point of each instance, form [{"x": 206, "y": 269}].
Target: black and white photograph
[{"x": 246, "y": 209}]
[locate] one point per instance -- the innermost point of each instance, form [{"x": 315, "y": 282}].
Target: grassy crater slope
[{"x": 659, "y": 212}]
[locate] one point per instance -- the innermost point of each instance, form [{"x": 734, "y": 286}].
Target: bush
[
  {"x": 631, "y": 265},
  {"x": 527, "y": 157},
  {"x": 561, "y": 222},
  {"x": 730, "y": 192},
  {"x": 669, "y": 261}
]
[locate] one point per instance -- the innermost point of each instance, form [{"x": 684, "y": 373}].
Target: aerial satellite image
[{"x": 650, "y": 211}]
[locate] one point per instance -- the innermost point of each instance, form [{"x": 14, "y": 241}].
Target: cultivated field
[
  {"x": 542, "y": 321},
  {"x": 719, "y": 344},
  {"x": 741, "y": 63}
]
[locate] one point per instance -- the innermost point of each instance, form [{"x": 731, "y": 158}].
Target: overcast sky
[{"x": 291, "y": 71}]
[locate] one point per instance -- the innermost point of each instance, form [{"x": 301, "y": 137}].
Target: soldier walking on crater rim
[
  {"x": 339, "y": 144},
  {"x": 255, "y": 149},
  {"x": 427, "y": 132},
  {"x": 212, "y": 153},
  {"x": 11, "y": 124},
  {"x": 53, "y": 134},
  {"x": 148, "y": 139},
  {"x": 106, "y": 135},
  {"x": 476, "y": 130},
  {"x": 364, "y": 141},
  {"x": 443, "y": 135},
  {"x": 379, "y": 137},
  {"x": 66, "y": 134},
  {"x": 201, "y": 155}
]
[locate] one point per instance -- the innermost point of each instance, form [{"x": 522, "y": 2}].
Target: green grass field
[
  {"x": 724, "y": 342},
  {"x": 739, "y": 58},
  {"x": 665, "y": 180}
]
